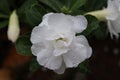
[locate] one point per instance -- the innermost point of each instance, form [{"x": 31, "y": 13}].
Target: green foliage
[
  {"x": 77, "y": 4},
  {"x": 4, "y": 13},
  {"x": 31, "y": 12},
  {"x": 3, "y": 24},
  {"x": 65, "y": 6},
  {"x": 23, "y": 45},
  {"x": 92, "y": 5},
  {"x": 4, "y": 7},
  {"x": 84, "y": 67},
  {"x": 53, "y": 4},
  {"x": 95, "y": 28},
  {"x": 101, "y": 33},
  {"x": 34, "y": 66}
]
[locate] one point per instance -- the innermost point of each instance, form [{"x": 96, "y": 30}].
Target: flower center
[{"x": 62, "y": 39}]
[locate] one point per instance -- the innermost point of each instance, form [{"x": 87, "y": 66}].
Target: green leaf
[
  {"x": 4, "y": 16},
  {"x": 77, "y": 4},
  {"x": 34, "y": 66},
  {"x": 95, "y": 5},
  {"x": 101, "y": 33},
  {"x": 4, "y": 7},
  {"x": 34, "y": 15},
  {"x": 23, "y": 45},
  {"x": 54, "y": 4},
  {"x": 84, "y": 67},
  {"x": 31, "y": 12},
  {"x": 3, "y": 24},
  {"x": 95, "y": 28}
]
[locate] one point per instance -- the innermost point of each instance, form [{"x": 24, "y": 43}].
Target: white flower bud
[
  {"x": 99, "y": 14},
  {"x": 13, "y": 27}
]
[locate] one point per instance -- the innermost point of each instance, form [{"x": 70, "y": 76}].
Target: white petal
[
  {"x": 45, "y": 19},
  {"x": 111, "y": 29},
  {"x": 46, "y": 59},
  {"x": 78, "y": 53},
  {"x": 80, "y": 23},
  {"x": 82, "y": 40},
  {"x": 43, "y": 57},
  {"x": 36, "y": 48},
  {"x": 61, "y": 70},
  {"x": 113, "y": 8},
  {"x": 54, "y": 63},
  {"x": 116, "y": 24},
  {"x": 60, "y": 23},
  {"x": 38, "y": 34}
]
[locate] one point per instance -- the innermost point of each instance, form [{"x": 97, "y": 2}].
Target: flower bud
[
  {"x": 99, "y": 14},
  {"x": 13, "y": 27}
]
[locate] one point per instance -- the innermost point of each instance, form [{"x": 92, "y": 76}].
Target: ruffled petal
[
  {"x": 46, "y": 59},
  {"x": 57, "y": 21},
  {"x": 82, "y": 40},
  {"x": 78, "y": 53},
  {"x": 45, "y": 19},
  {"x": 80, "y": 23},
  {"x": 38, "y": 34},
  {"x": 54, "y": 63},
  {"x": 43, "y": 57},
  {"x": 36, "y": 48},
  {"x": 61, "y": 70}
]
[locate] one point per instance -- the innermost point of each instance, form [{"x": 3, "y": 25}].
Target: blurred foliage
[
  {"x": 34, "y": 65},
  {"x": 31, "y": 12},
  {"x": 23, "y": 45},
  {"x": 92, "y": 5},
  {"x": 84, "y": 67},
  {"x": 4, "y": 13}
]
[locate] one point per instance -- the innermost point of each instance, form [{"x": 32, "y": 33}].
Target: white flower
[
  {"x": 13, "y": 27},
  {"x": 55, "y": 44},
  {"x": 112, "y": 15},
  {"x": 113, "y": 18}
]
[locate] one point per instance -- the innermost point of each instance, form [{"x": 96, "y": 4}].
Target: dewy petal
[
  {"x": 54, "y": 63},
  {"x": 36, "y": 48},
  {"x": 78, "y": 53},
  {"x": 82, "y": 40},
  {"x": 38, "y": 34},
  {"x": 61, "y": 70},
  {"x": 80, "y": 23},
  {"x": 57, "y": 21},
  {"x": 46, "y": 59},
  {"x": 45, "y": 19},
  {"x": 43, "y": 56}
]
